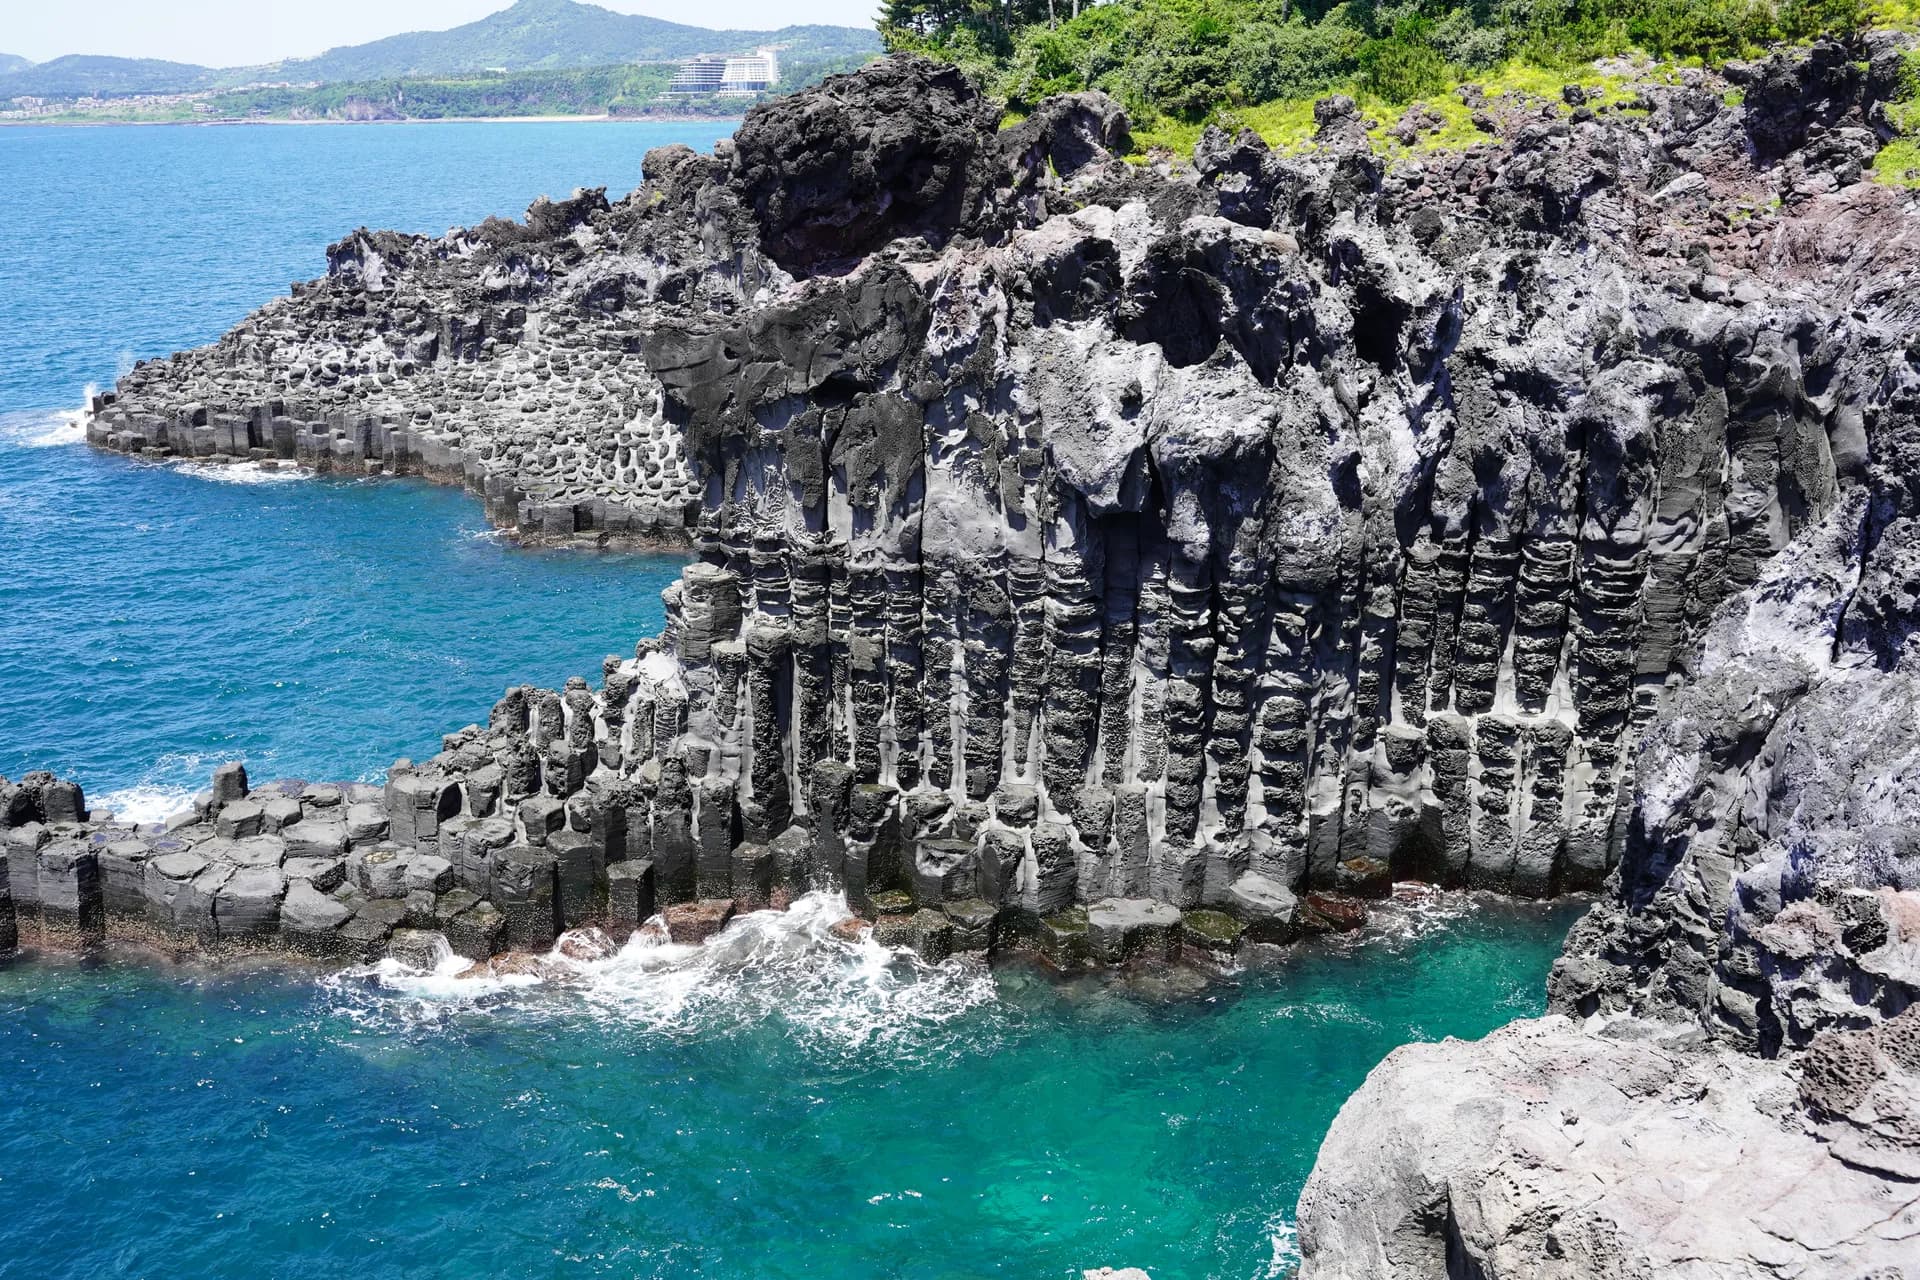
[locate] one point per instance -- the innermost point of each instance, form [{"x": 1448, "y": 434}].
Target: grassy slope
[
  {"x": 1899, "y": 161},
  {"x": 1287, "y": 125}
]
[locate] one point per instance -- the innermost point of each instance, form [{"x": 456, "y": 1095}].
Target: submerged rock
[{"x": 1121, "y": 929}]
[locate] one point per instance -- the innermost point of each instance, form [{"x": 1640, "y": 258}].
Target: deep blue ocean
[
  {"x": 779, "y": 1104},
  {"x": 156, "y": 620}
]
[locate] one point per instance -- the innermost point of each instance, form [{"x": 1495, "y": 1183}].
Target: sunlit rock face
[
  {"x": 1203, "y": 546},
  {"x": 1070, "y": 529},
  {"x": 1727, "y": 1085}
]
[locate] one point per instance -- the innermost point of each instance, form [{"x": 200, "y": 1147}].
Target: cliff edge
[
  {"x": 1072, "y": 530},
  {"x": 1729, "y": 1081},
  {"x": 1083, "y": 543}
]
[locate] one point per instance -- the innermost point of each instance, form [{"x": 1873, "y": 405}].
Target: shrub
[
  {"x": 1712, "y": 30},
  {"x": 1471, "y": 41},
  {"x": 1185, "y": 60},
  {"x": 1404, "y": 65},
  {"x": 1805, "y": 19},
  {"x": 1292, "y": 61}
]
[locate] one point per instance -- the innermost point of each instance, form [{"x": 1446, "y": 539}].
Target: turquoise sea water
[
  {"x": 155, "y": 620},
  {"x": 777, "y": 1105}
]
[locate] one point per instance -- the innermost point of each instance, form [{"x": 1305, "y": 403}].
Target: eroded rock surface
[
  {"x": 1125, "y": 558},
  {"x": 1544, "y": 1151},
  {"x": 1070, "y": 530},
  {"x": 1727, "y": 1086},
  {"x": 1742, "y": 1095}
]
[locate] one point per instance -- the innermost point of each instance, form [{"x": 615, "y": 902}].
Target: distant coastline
[{"x": 210, "y": 124}]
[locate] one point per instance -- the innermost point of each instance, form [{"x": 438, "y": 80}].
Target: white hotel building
[{"x": 710, "y": 74}]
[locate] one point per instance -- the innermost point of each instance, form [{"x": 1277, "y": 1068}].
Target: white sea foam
[
  {"x": 167, "y": 788},
  {"x": 146, "y": 802},
  {"x": 443, "y": 980},
  {"x": 1285, "y": 1238},
  {"x": 67, "y": 429},
  {"x": 243, "y": 472},
  {"x": 835, "y": 993},
  {"x": 1414, "y": 913},
  {"x": 49, "y": 430}
]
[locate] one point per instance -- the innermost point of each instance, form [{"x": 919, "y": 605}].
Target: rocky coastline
[{"x": 1119, "y": 558}]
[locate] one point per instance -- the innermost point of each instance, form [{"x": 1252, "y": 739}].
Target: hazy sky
[{"x": 241, "y": 32}]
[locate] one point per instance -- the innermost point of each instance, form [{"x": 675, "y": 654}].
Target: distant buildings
[
  {"x": 27, "y": 107},
  {"x": 712, "y": 74},
  {"x": 201, "y": 103}
]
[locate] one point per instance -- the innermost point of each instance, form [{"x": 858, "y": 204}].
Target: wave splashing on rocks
[
  {"x": 835, "y": 990},
  {"x": 44, "y": 430},
  {"x": 243, "y": 472}
]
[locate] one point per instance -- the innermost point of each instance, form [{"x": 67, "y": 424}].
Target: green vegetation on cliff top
[
  {"x": 1899, "y": 160},
  {"x": 1178, "y": 65}
]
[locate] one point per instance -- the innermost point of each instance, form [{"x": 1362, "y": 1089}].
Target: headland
[{"x": 1132, "y": 559}]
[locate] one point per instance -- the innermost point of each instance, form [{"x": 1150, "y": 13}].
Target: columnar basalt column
[{"x": 1064, "y": 530}]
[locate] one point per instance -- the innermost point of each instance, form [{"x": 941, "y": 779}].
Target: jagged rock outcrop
[
  {"x": 1551, "y": 1153},
  {"x": 1727, "y": 1086},
  {"x": 1743, "y": 1097},
  {"x": 1069, "y": 530}
]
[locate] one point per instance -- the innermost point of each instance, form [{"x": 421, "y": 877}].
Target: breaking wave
[
  {"x": 1284, "y": 1237},
  {"x": 836, "y": 992},
  {"x": 1415, "y": 912},
  {"x": 45, "y": 430},
  {"x": 242, "y": 472},
  {"x": 165, "y": 787},
  {"x": 144, "y": 802}
]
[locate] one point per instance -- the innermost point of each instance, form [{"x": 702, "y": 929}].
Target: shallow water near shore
[
  {"x": 156, "y": 620},
  {"x": 777, "y": 1104}
]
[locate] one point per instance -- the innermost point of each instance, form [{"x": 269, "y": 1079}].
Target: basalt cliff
[{"x": 1124, "y": 557}]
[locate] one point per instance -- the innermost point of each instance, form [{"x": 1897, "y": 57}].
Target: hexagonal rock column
[
  {"x": 22, "y": 855},
  {"x": 9, "y": 929},
  {"x": 229, "y": 784},
  {"x": 62, "y": 802},
  {"x": 310, "y": 919},
  {"x": 70, "y": 890},
  {"x": 630, "y": 893},
  {"x": 1122, "y": 929},
  {"x": 526, "y": 888},
  {"x": 478, "y": 932}
]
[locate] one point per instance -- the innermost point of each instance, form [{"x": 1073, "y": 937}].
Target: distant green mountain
[
  {"x": 548, "y": 34},
  {"x": 531, "y": 35},
  {"x": 13, "y": 62},
  {"x": 79, "y": 74},
  {"x": 627, "y": 90}
]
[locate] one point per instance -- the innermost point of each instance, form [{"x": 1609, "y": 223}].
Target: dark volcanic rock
[
  {"x": 1188, "y": 544},
  {"x": 901, "y": 149},
  {"x": 1092, "y": 531}
]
